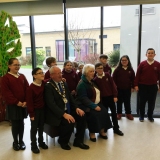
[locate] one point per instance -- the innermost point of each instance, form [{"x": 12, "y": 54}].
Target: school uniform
[
  {"x": 14, "y": 89},
  {"x": 47, "y": 75},
  {"x": 124, "y": 80},
  {"x": 108, "y": 91},
  {"x": 71, "y": 79},
  {"x": 79, "y": 76},
  {"x": 147, "y": 76},
  {"x": 35, "y": 107},
  {"x": 107, "y": 68}
]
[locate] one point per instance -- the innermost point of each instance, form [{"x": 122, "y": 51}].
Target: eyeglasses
[
  {"x": 100, "y": 68},
  {"x": 40, "y": 73},
  {"x": 16, "y": 65}
]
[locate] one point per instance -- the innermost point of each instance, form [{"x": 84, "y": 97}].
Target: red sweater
[
  {"x": 107, "y": 68},
  {"x": 71, "y": 79},
  {"x": 124, "y": 79},
  {"x": 35, "y": 98},
  {"x": 47, "y": 75},
  {"x": 14, "y": 89},
  {"x": 148, "y": 74},
  {"x": 106, "y": 85}
]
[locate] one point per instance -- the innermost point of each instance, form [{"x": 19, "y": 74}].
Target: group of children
[{"x": 22, "y": 98}]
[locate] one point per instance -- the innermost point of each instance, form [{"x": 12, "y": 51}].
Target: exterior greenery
[{"x": 114, "y": 57}]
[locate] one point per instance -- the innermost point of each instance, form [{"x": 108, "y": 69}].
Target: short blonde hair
[{"x": 87, "y": 67}]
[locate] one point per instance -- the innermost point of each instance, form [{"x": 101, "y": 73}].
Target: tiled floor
[{"x": 140, "y": 142}]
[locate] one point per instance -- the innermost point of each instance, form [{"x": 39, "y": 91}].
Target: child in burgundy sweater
[
  {"x": 123, "y": 77},
  {"x": 70, "y": 76},
  {"x": 35, "y": 106},
  {"x": 80, "y": 68},
  {"x": 50, "y": 61},
  {"x": 14, "y": 86},
  {"x": 103, "y": 59},
  {"x": 147, "y": 76},
  {"x": 108, "y": 94}
]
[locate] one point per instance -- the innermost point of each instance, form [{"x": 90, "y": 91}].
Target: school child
[
  {"x": 147, "y": 76},
  {"x": 35, "y": 107},
  {"x": 75, "y": 66},
  {"x": 80, "y": 67},
  {"x": 108, "y": 94},
  {"x": 70, "y": 76},
  {"x": 14, "y": 87},
  {"x": 50, "y": 61},
  {"x": 123, "y": 77},
  {"x": 103, "y": 59}
]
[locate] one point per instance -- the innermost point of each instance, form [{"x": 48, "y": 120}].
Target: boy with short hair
[
  {"x": 103, "y": 59},
  {"x": 147, "y": 76},
  {"x": 50, "y": 61},
  {"x": 108, "y": 92}
]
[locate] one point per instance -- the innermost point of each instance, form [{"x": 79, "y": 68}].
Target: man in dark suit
[{"x": 62, "y": 111}]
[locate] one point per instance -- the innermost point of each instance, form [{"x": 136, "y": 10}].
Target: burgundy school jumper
[{"x": 71, "y": 79}]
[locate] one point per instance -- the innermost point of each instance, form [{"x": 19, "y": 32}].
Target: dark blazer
[{"x": 55, "y": 107}]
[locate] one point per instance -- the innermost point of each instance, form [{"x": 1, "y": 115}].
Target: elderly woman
[{"x": 88, "y": 97}]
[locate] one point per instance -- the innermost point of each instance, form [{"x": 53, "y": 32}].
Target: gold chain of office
[{"x": 63, "y": 95}]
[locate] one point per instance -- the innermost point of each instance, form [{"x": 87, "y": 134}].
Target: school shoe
[
  {"x": 141, "y": 119},
  {"x": 65, "y": 146},
  {"x": 117, "y": 131},
  {"x": 43, "y": 146},
  {"x": 151, "y": 119},
  {"x": 35, "y": 150},
  {"x": 129, "y": 116},
  {"x": 119, "y": 116},
  {"x": 102, "y": 136},
  {"x": 22, "y": 146},
  {"x": 16, "y": 146}
]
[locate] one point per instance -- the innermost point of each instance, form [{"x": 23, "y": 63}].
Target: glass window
[
  {"x": 50, "y": 36},
  {"x": 150, "y": 38},
  {"x": 116, "y": 47},
  {"x": 83, "y": 32},
  {"x": 25, "y": 59}
]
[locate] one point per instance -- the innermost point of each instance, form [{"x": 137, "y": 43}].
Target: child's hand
[
  {"x": 24, "y": 104},
  {"x": 20, "y": 104},
  {"x": 136, "y": 88},
  {"x": 73, "y": 92},
  {"x": 97, "y": 108},
  {"x": 32, "y": 119},
  {"x": 63, "y": 79},
  {"x": 115, "y": 99}
]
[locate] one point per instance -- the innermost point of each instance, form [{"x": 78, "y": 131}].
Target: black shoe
[
  {"x": 16, "y": 146},
  {"x": 35, "y": 150},
  {"x": 141, "y": 119},
  {"x": 43, "y": 146},
  {"x": 104, "y": 137},
  {"x": 151, "y": 119},
  {"x": 65, "y": 146},
  {"x": 120, "y": 133},
  {"x": 81, "y": 145},
  {"x": 22, "y": 146},
  {"x": 93, "y": 139}
]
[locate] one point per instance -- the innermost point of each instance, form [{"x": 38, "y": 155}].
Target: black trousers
[
  {"x": 37, "y": 125},
  {"x": 66, "y": 129},
  {"x": 108, "y": 102},
  {"x": 124, "y": 96},
  {"x": 17, "y": 130},
  {"x": 147, "y": 93}
]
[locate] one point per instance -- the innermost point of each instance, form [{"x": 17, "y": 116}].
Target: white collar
[
  {"x": 150, "y": 62},
  {"x": 15, "y": 75},
  {"x": 125, "y": 68},
  {"x": 37, "y": 84},
  {"x": 101, "y": 75}
]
